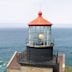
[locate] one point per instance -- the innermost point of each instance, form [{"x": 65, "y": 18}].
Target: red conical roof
[{"x": 40, "y": 21}]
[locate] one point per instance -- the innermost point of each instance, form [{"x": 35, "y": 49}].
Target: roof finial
[{"x": 39, "y": 13}]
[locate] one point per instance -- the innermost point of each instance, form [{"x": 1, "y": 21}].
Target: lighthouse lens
[{"x": 41, "y": 36}]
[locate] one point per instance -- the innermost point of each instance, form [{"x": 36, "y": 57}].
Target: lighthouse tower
[
  {"x": 38, "y": 56},
  {"x": 40, "y": 45}
]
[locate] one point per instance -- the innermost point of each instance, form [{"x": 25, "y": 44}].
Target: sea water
[{"x": 12, "y": 40}]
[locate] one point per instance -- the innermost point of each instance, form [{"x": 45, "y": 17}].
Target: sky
[{"x": 18, "y": 13}]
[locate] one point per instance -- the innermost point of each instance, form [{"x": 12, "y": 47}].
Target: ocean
[{"x": 12, "y": 40}]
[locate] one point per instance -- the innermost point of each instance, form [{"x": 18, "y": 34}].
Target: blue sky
[{"x": 17, "y": 13}]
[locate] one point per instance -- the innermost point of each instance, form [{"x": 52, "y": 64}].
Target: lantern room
[{"x": 40, "y": 32}]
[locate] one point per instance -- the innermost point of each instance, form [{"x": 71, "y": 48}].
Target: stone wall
[
  {"x": 35, "y": 69},
  {"x": 31, "y": 69},
  {"x": 13, "y": 70}
]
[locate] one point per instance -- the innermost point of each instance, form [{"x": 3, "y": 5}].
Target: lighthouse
[
  {"x": 40, "y": 45},
  {"x": 39, "y": 54}
]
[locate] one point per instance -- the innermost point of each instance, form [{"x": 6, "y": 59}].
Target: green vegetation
[{"x": 68, "y": 69}]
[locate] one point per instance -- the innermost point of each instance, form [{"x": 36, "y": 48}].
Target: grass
[{"x": 68, "y": 69}]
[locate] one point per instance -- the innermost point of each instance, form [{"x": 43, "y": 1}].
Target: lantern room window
[{"x": 40, "y": 35}]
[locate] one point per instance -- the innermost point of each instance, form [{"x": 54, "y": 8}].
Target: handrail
[{"x": 36, "y": 45}]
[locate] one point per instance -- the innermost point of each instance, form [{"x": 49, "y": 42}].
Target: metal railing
[{"x": 41, "y": 43}]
